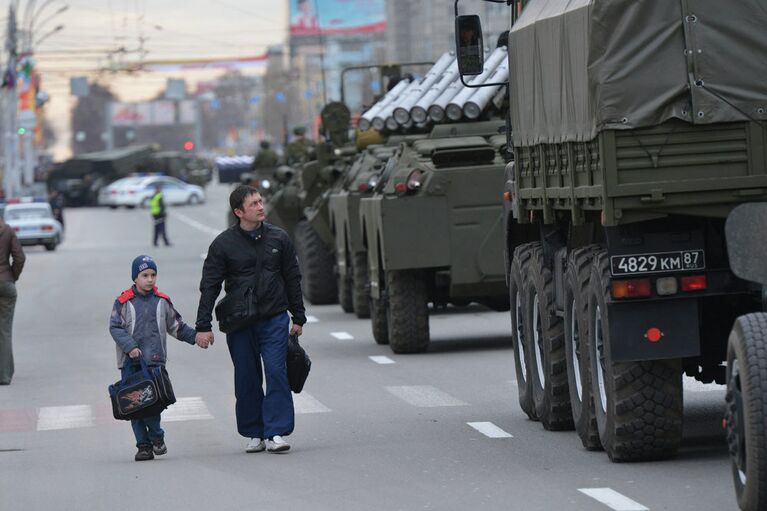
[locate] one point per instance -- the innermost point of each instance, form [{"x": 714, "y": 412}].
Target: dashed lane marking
[
  {"x": 344, "y": 336},
  {"x": 424, "y": 396},
  {"x": 187, "y": 409},
  {"x": 65, "y": 417},
  {"x": 312, "y": 319},
  {"x": 305, "y": 403},
  {"x": 379, "y": 359},
  {"x": 195, "y": 224},
  {"x": 490, "y": 430},
  {"x": 613, "y": 499}
]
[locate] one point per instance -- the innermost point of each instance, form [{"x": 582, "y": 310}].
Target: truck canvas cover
[{"x": 582, "y": 66}]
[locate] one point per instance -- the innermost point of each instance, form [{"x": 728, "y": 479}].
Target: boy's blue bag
[{"x": 145, "y": 393}]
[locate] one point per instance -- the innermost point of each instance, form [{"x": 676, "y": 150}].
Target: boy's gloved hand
[{"x": 134, "y": 353}]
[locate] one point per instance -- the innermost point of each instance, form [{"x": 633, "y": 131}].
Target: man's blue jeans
[
  {"x": 147, "y": 430},
  {"x": 259, "y": 415}
]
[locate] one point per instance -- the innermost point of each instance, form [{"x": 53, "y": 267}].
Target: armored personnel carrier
[{"x": 618, "y": 272}]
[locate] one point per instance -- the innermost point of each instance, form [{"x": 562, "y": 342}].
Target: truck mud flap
[{"x": 654, "y": 330}]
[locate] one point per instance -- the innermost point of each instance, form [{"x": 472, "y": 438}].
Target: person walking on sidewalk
[
  {"x": 141, "y": 318},
  {"x": 157, "y": 210},
  {"x": 10, "y": 248},
  {"x": 256, "y": 261}
]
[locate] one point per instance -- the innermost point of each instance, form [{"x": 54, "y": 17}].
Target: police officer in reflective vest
[{"x": 157, "y": 210}]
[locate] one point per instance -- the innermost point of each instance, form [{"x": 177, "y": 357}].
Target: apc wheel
[
  {"x": 316, "y": 263},
  {"x": 545, "y": 333},
  {"x": 360, "y": 291},
  {"x": 517, "y": 284},
  {"x": 408, "y": 311},
  {"x": 379, "y": 321},
  {"x": 345, "y": 289},
  {"x": 746, "y": 410},
  {"x": 638, "y": 405},
  {"x": 576, "y": 335}
]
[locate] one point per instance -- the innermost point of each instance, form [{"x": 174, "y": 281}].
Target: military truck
[{"x": 630, "y": 151}]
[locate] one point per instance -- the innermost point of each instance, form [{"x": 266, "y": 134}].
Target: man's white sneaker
[
  {"x": 255, "y": 445},
  {"x": 277, "y": 444}
]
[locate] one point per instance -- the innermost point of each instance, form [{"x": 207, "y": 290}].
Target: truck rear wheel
[
  {"x": 517, "y": 278},
  {"x": 576, "y": 335},
  {"x": 408, "y": 311},
  {"x": 316, "y": 263},
  {"x": 638, "y": 405},
  {"x": 360, "y": 291},
  {"x": 345, "y": 283},
  {"x": 379, "y": 320},
  {"x": 545, "y": 334},
  {"x": 747, "y": 409}
]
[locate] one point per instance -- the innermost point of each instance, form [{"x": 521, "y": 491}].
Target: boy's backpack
[{"x": 142, "y": 394}]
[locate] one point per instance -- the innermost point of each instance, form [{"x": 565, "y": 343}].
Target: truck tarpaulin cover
[{"x": 582, "y": 66}]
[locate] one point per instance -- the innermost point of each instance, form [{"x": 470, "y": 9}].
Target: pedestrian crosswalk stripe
[
  {"x": 312, "y": 319},
  {"x": 490, "y": 430},
  {"x": 344, "y": 336},
  {"x": 305, "y": 403},
  {"x": 64, "y": 417},
  {"x": 424, "y": 396},
  {"x": 379, "y": 359},
  {"x": 613, "y": 499},
  {"x": 187, "y": 409}
]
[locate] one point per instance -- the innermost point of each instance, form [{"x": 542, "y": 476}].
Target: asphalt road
[{"x": 374, "y": 430}]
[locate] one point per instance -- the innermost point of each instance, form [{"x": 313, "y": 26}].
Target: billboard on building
[{"x": 312, "y": 17}]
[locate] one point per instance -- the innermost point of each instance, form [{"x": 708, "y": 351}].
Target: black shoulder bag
[{"x": 239, "y": 308}]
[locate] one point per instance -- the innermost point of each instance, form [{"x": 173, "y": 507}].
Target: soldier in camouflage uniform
[
  {"x": 299, "y": 150},
  {"x": 265, "y": 160}
]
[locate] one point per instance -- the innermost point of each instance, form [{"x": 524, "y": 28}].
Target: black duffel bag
[
  {"x": 143, "y": 394},
  {"x": 299, "y": 365}
]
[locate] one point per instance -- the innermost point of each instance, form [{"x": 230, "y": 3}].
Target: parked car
[
  {"x": 138, "y": 190},
  {"x": 34, "y": 224}
]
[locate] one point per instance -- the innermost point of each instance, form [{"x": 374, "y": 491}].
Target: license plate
[{"x": 662, "y": 262}]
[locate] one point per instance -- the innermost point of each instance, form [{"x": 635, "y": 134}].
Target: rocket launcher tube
[
  {"x": 402, "y": 111},
  {"x": 382, "y": 117},
  {"x": 454, "y": 109},
  {"x": 437, "y": 108},
  {"x": 419, "y": 113},
  {"x": 367, "y": 118},
  {"x": 479, "y": 101}
]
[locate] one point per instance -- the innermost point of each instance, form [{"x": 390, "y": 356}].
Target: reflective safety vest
[{"x": 155, "y": 209}]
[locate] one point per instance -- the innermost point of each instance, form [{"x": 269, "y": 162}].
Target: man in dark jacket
[
  {"x": 233, "y": 258},
  {"x": 10, "y": 248}
]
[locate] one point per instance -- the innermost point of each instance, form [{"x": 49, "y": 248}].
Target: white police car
[{"x": 34, "y": 224}]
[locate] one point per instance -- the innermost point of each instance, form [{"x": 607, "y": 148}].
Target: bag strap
[{"x": 144, "y": 367}]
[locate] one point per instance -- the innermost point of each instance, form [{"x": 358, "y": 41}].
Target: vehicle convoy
[
  {"x": 432, "y": 230},
  {"x": 624, "y": 172}
]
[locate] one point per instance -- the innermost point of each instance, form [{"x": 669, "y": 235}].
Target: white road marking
[
  {"x": 613, "y": 499},
  {"x": 197, "y": 225},
  {"x": 187, "y": 409},
  {"x": 424, "y": 396},
  {"x": 693, "y": 385},
  {"x": 490, "y": 430},
  {"x": 379, "y": 359},
  {"x": 305, "y": 403},
  {"x": 64, "y": 417},
  {"x": 344, "y": 336},
  {"x": 312, "y": 319}
]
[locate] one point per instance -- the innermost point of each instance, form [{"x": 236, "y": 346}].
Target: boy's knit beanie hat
[{"x": 141, "y": 263}]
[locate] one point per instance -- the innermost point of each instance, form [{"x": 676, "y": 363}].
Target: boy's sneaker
[
  {"x": 255, "y": 445},
  {"x": 144, "y": 453},
  {"x": 159, "y": 447},
  {"x": 277, "y": 444}
]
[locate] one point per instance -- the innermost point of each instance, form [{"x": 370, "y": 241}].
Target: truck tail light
[
  {"x": 634, "y": 288},
  {"x": 666, "y": 286},
  {"x": 694, "y": 283}
]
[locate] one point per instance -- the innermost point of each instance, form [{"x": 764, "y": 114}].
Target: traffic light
[
  {"x": 21, "y": 131},
  {"x": 188, "y": 145}
]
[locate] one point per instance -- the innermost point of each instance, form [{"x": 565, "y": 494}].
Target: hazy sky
[{"x": 169, "y": 29}]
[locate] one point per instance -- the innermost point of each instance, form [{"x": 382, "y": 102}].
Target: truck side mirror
[{"x": 469, "y": 45}]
